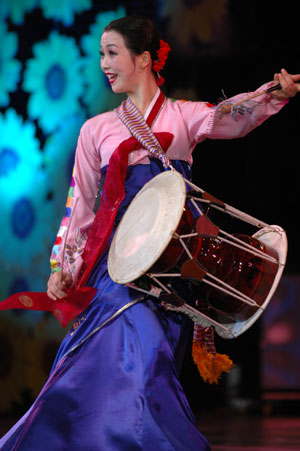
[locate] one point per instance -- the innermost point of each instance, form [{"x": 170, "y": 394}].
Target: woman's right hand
[
  {"x": 58, "y": 285},
  {"x": 289, "y": 85}
]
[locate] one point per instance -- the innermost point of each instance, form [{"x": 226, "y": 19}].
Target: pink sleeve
[
  {"x": 205, "y": 120},
  {"x": 80, "y": 205},
  {"x": 246, "y": 116}
]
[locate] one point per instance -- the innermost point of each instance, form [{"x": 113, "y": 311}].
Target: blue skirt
[{"x": 114, "y": 384}]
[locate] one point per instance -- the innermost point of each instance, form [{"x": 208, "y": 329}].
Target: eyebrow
[{"x": 110, "y": 45}]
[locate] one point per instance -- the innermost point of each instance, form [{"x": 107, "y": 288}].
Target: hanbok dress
[{"x": 114, "y": 385}]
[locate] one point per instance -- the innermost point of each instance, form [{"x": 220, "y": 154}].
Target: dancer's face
[{"x": 118, "y": 63}]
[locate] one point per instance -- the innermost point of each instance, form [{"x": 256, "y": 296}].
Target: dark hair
[{"x": 139, "y": 34}]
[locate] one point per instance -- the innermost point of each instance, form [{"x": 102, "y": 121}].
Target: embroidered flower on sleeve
[
  {"x": 242, "y": 109},
  {"x": 73, "y": 251}
]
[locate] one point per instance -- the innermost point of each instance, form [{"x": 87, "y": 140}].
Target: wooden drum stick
[{"x": 226, "y": 108}]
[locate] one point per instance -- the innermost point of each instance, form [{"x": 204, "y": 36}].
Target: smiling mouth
[{"x": 111, "y": 77}]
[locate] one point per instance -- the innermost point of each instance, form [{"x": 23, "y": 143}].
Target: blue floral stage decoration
[
  {"x": 15, "y": 10},
  {"x": 10, "y": 67},
  {"x": 26, "y": 231},
  {"x": 64, "y": 10},
  {"x": 53, "y": 77},
  {"x": 20, "y": 155},
  {"x": 25, "y": 220},
  {"x": 98, "y": 96}
]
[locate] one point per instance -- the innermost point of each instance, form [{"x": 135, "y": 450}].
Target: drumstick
[{"x": 226, "y": 108}]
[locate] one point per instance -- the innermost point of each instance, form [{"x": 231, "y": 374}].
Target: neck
[{"x": 143, "y": 95}]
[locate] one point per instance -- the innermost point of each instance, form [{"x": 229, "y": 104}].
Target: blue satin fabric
[{"x": 115, "y": 388}]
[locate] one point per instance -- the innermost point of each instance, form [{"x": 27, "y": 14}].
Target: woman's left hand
[{"x": 289, "y": 85}]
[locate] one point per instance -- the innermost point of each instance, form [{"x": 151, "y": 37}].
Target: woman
[{"x": 114, "y": 384}]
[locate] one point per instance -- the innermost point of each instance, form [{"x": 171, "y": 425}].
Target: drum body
[{"x": 160, "y": 239}]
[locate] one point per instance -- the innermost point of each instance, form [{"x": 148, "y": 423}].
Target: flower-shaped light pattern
[
  {"x": 53, "y": 78},
  {"x": 64, "y": 10},
  {"x": 20, "y": 156},
  {"x": 196, "y": 19},
  {"x": 10, "y": 68},
  {"x": 16, "y": 10},
  {"x": 98, "y": 95},
  {"x": 59, "y": 152},
  {"x": 26, "y": 224}
]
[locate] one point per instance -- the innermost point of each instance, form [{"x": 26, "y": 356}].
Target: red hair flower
[{"x": 162, "y": 54}]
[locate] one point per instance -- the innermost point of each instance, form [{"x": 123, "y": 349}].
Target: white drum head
[
  {"x": 274, "y": 237},
  {"x": 147, "y": 227}
]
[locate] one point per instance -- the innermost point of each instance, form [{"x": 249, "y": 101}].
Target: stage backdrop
[{"x": 50, "y": 83}]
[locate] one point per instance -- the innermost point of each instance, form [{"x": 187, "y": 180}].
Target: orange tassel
[{"x": 210, "y": 366}]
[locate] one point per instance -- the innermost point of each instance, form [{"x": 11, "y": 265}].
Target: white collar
[{"x": 151, "y": 104}]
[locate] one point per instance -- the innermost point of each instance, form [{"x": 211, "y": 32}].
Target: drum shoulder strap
[{"x": 140, "y": 128}]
